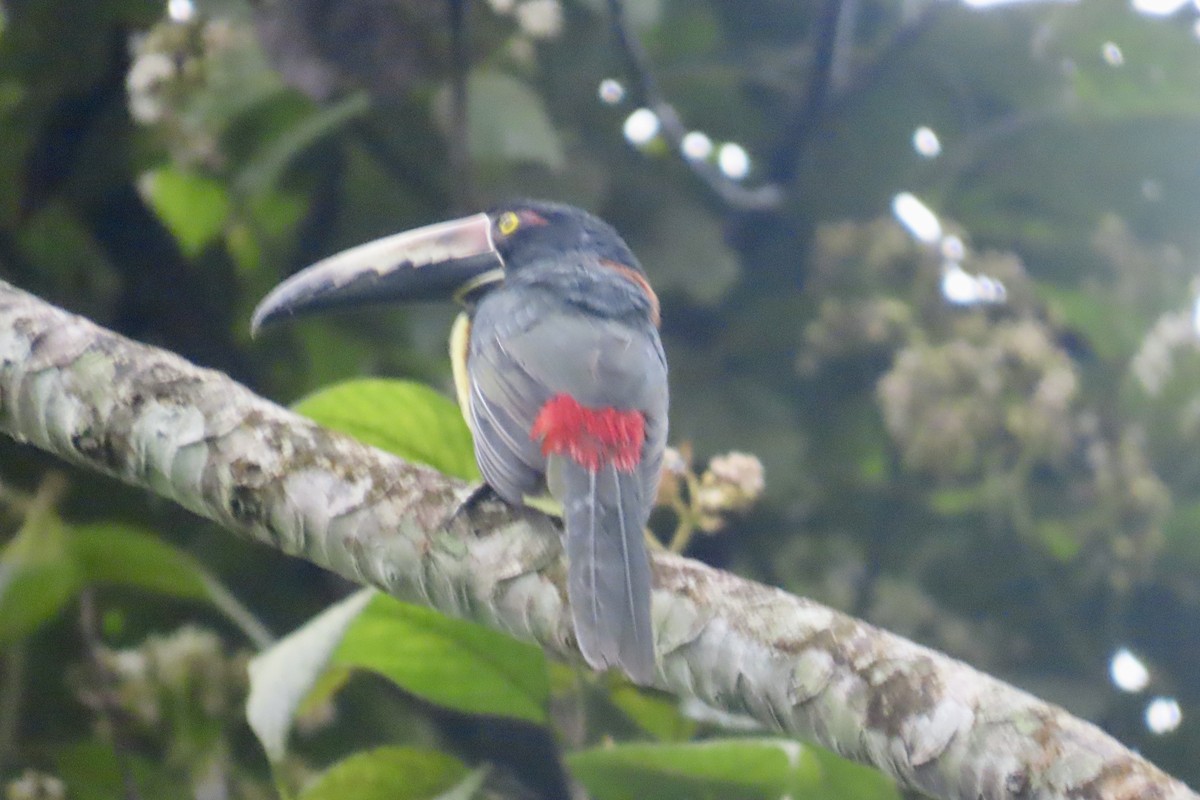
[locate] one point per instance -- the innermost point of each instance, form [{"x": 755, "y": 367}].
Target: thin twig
[
  {"x": 687, "y": 512},
  {"x": 241, "y": 616},
  {"x": 733, "y": 194},
  {"x": 111, "y": 715}
]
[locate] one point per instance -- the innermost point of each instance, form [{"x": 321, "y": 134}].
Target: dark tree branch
[
  {"x": 906, "y": 35},
  {"x": 832, "y": 80},
  {"x": 460, "y": 156},
  {"x": 784, "y": 161}
]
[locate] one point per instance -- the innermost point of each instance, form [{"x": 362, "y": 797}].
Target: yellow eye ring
[{"x": 508, "y": 223}]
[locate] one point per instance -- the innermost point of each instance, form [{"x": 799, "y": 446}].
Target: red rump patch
[{"x": 592, "y": 437}]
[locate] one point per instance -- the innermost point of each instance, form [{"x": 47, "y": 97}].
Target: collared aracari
[{"x": 561, "y": 376}]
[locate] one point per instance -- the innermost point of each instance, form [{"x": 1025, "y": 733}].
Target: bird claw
[{"x": 480, "y": 494}]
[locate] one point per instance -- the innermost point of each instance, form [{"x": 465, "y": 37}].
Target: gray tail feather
[{"x": 608, "y": 579}]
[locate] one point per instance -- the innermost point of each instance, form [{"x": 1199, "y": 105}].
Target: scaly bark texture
[{"x": 153, "y": 420}]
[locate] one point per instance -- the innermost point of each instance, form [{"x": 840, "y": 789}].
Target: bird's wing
[
  {"x": 504, "y": 400},
  {"x": 525, "y": 350}
]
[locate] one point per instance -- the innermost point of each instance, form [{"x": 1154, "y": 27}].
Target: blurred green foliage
[
  {"x": 407, "y": 419},
  {"x": 389, "y": 773},
  {"x": 1015, "y": 482},
  {"x": 724, "y": 768}
]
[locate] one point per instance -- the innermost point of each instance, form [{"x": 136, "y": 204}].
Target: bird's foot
[{"x": 479, "y": 495}]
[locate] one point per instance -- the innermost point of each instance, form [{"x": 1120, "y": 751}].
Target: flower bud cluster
[
  {"x": 732, "y": 483},
  {"x": 984, "y": 404}
]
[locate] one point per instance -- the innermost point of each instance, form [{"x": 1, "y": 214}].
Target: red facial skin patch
[{"x": 591, "y": 437}]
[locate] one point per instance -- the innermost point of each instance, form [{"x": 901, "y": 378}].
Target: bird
[{"x": 560, "y": 371}]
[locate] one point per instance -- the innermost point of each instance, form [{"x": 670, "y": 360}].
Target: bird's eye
[{"x": 508, "y": 223}]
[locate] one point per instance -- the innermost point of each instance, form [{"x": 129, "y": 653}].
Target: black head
[{"x": 526, "y": 232}]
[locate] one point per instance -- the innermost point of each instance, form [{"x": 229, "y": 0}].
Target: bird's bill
[{"x": 439, "y": 261}]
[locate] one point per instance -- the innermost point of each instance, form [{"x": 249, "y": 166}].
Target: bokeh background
[{"x": 935, "y": 264}]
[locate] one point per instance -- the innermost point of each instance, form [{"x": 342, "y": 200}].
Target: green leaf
[
  {"x": 1059, "y": 539},
  {"x": 283, "y": 676},
  {"x": 447, "y": 661},
  {"x": 116, "y": 554},
  {"x": 469, "y": 787},
  {"x": 90, "y": 769},
  {"x": 1108, "y": 328},
  {"x": 721, "y": 768},
  {"x": 265, "y": 168},
  {"x": 450, "y": 662},
  {"x": 389, "y": 773},
  {"x": 657, "y": 714},
  {"x": 37, "y": 575},
  {"x": 193, "y": 207},
  {"x": 328, "y": 684},
  {"x": 845, "y": 780},
  {"x": 508, "y": 122},
  {"x": 957, "y": 501},
  {"x": 111, "y": 553},
  {"x": 404, "y": 418}
]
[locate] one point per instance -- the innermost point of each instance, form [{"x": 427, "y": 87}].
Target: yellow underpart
[{"x": 460, "y": 335}]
